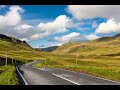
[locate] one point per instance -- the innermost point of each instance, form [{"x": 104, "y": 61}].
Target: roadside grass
[
  {"x": 8, "y": 75},
  {"x": 106, "y": 68},
  {"x": 20, "y": 54}
]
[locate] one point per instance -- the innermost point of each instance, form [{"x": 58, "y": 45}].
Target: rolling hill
[
  {"x": 13, "y": 40},
  {"x": 100, "y": 57},
  {"x": 16, "y": 52},
  {"x": 100, "y": 46},
  {"x": 16, "y": 49}
]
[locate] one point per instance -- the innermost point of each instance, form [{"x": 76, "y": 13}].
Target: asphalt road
[{"x": 47, "y": 76}]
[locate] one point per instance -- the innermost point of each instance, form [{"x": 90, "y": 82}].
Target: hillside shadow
[{"x": 116, "y": 54}]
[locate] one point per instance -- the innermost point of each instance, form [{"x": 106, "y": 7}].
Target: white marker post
[
  {"x": 45, "y": 61},
  {"x": 77, "y": 59},
  {"x": 12, "y": 60},
  {"x": 6, "y": 57}
]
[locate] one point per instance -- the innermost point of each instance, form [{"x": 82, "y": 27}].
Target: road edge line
[
  {"x": 22, "y": 76},
  {"x": 66, "y": 79},
  {"x": 91, "y": 75}
]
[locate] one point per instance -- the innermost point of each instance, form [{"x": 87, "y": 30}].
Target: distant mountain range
[{"x": 48, "y": 49}]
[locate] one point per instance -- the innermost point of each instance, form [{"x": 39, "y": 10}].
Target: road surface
[{"x": 47, "y": 76}]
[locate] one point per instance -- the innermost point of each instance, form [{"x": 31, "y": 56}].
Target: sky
[{"x": 49, "y": 25}]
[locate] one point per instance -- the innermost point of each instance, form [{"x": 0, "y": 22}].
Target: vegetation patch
[
  {"x": 106, "y": 68},
  {"x": 8, "y": 75}
]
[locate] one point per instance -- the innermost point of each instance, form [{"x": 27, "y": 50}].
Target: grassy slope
[
  {"x": 109, "y": 69},
  {"x": 18, "y": 51},
  {"x": 96, "y": 47},
  {"x": 99, "y": 57},
  {"x": 8, "y": 75}
]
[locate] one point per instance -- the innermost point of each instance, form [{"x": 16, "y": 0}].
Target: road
[{"x": 47, "y": 76}]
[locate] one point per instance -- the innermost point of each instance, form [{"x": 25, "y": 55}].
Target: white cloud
[
  {"x": 59, "y": 44},
  {"x": 35, "y": 36},
  {"x": 55, "y": 44},
  {"x": 108, "y": 27},
  {"x": 110, "y": 12},
  {"x": 91, "y": 37},
  {"x": 90, "y": 11},
  {"x": 24, "y": 39},
  {"x": 11, "y": 18},
  {"x": 23, "y": 26},
  {"x": 74, "y": 36},
  {"x": 59, "y": 25},
  {"x": 85, "y": 25},
  {"x": 83, "y": 28},
  {"x": 68, "y": 37},
  {"x": 78, "y": 25},
  {"x": 12, "y": 24}
]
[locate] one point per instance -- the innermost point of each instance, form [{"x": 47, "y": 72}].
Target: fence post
[
  {"x": 45, "y": 61},
  {"x": 77, "y": 59},
  {"x": 12, "y": 60},
  {"x": 6, "y": 58}
]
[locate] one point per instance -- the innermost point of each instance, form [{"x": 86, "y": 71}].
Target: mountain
[
  {"x": 100, "y": 46},
  {"x": 16, "y": 49},
  {"x": 111, "y": 41},
  {"x": 12, "y": 40},
  {"x": 48, "y": 49}
]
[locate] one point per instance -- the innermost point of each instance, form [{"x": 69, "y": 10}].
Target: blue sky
[
  {"x": 43, "y": 13},
  {"x": 49, "y": 25}
]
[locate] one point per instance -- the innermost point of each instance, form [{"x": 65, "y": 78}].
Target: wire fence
[{"x": 5, "y": 60}]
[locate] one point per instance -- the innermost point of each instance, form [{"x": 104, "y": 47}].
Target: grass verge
[
  {"x": 8, "y": 75},
  {"x": 109, "y": 69}
]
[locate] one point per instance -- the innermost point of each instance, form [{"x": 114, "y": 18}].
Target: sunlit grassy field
[
  {"x": 19, "y": 51},
  {"x": 8, "y": 75},
  {"x": 106, "y": 67},
  {"x": 99, "y": 57}
]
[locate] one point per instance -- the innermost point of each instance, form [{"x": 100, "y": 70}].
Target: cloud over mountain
[{"x": 74, "y": 36}]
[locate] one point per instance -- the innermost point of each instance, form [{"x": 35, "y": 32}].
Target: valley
[{"x": 100, "y": 57}]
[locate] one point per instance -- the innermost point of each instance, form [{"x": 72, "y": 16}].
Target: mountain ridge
[
  {"x": 16, "y": 49},
  {"x": 103, "y": 45},
  {"x": 47, "y": 49},
  {"x": 13, "y": 40}
]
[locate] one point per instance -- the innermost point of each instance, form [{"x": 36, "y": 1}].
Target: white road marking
[
  {"x": 22, "y": 77},
  {"x": 66, "y": 79},
  {"x": 90, "y": 76},
  {"x": 78, "y": 73}
]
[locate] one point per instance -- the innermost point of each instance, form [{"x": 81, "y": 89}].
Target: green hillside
[
  {"x": 101, "y": 46},
  {"x": 17, "y": 52},
  {"x": 15, "y": 49}
]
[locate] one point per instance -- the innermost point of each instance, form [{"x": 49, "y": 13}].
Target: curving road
[{"x": 47, "y": 76}]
